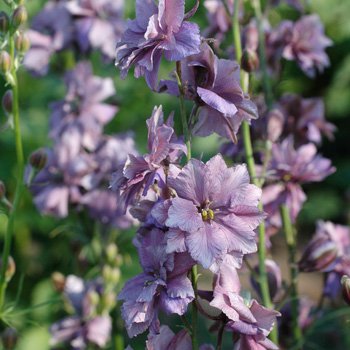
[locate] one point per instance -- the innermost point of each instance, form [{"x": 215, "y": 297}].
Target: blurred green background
[{"x": 40, "y": 248}]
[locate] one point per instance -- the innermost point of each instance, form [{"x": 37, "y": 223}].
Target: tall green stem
[
  {"x": 263, "y": 281},
  {"x": 20, "y": 172},
  {"x": 292, "y": 246},
  {"x": 194, "y": 271}
]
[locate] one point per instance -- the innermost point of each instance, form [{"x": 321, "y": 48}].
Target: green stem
[
  {"x": 292, "y": 247},
  {"x": 194, "y": 271},
  {"x": 20, "y": 172},
  {"x": 263, "y": 281}
]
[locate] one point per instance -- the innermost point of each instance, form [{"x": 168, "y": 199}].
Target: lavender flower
[
  {"x": 98, "y": 24},
  {"x": 214, "y": 84},
  {"x": 163, "y": 284},
  {"x": 167, "y": 340},
  {"x": 215, "y": 212},
  {"x": 157, "y": 30},
  {"x": 291, "y": 168},
  {"x": 307, "y": 45},
  {"x": 139, "y": 173},
  {"x": 85, "y": 326},
  {"x": 83, "y": 107}
]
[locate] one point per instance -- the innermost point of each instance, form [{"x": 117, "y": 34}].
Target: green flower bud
[
  {"x": 249, "y": 61},
  {"x": 10, "y": 270},
  {"x": 22, "y": 43},
  {"x": 9, "y": 338},
  {"x": 5, "y": 62},
  {"x": 19, "y": 17},
  {"x": 7, "y": 101},
  {"x": 58, "y": 281},
  {"x": 111, "y": 253},
  {"x": 94, "y": 298},
  {"x": 38, "y": 159},
  {"x": 109, "y": 301},
  {"x": 4, "y": 22}
]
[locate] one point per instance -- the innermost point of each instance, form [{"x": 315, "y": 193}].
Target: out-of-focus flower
[
  {"x": 157, "y": 30},
  {"x": 98, "y": 24},
  {"x": 167, "y": 340},
  {"x": 307, "y": 45},
  {"x": 163, "y": 285},
  {"x": 215, "y": 212},
  {"x": 345, "y": 282},
  {"x": 291, "y": 168},
  {"x": 139, "y": 173},
  {"x": 304, "y": 118},
  {"x": 86, "y": 326},
  {"x": 83, "y": 108},
  {"x": 215, "y": 85}
]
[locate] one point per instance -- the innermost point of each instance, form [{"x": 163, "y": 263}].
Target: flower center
[
  {"x": 287, "y": 177},
  {"x": 206, "y": 212}
]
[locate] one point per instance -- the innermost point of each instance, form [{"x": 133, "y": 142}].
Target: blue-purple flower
[
  {"x": 163, "y": 285},
  {"x": 214, "y": 213},
  {"x": 157, "y": 30}
]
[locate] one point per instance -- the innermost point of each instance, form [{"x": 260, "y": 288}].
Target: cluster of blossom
[
  {"x": 80, "y": 25},
  {"x": 77, "y": 169}
]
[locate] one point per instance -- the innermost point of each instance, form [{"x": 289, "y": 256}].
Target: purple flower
[
  {"x": 291, "y": 168},
  {"x": 98, "y": 24},
  {"x": 139, "y": 173},
  {"x": 83, "y": 106},
  {"x": 157, "y": 30},
  {"x": 307, "y": 45},
  {"x": 304, "y": 118},
  {"x": 85, "y": 326},
  {"x": 253, "y": 335},
  {"x": 163, "y": 285},
  {"x": 214, "y": 84},
  {"x": 215, "y": 212}
]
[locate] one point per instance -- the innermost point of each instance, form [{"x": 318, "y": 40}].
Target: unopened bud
[
  {"x": 9, "y": 338},
  {"x": 7, "y": 101},
  {"x": 58, "y": 281},
  {"x": 2, "y": 190},
  {"x": 345, "y": 282},
  {"x": 38, "y": 159},
  {"x": 249, "y": 61},
  {"x": 94, "y": 298},
  {"x": 319, "y": 255},
  {"x": 10, "y": 270},
  {"x": 22, "y": 42},
  {"x": 19, "y": 17},
  {"x": 115, "y": 276},
  {"x": 111, "y": 253},
  {"x": 274, "y": 278},
  {"x": 5, "y": 62},
  {"x": 109, "y": 301},
  {"x": 4, "y": 22},
  {"x": 106, "y": 273}
]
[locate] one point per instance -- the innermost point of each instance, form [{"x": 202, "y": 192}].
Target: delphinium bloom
[
  {"x": 86, "y": 326},
  {"x": 98, "y": 24},
  {"x": 157, "y": 30},
  {"x": 215, "y": 212},
  {"x": 163, "y": 285},
  {"x": 328, "y": 251},
  {"x": 215, "y": 86},
  {"x": 140, "y": 173},
  {"x": 51, "y": 31},
  {"x": 290, "y": 168},
  {"x": 307, "y": 44},
  {"x": 304, "y": 118},
  {"x": 83, "y": 108}
]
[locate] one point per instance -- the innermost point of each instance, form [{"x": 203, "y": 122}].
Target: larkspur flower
[
  {"x": 98, "y": 24},
  {"x": 167, "y": 340},
  {"x": 156, "y": 31},
  {"x": 83, "y": 107},
  {"x": 215, "y": 86},
  {"x": 84, "y": 326},
  {"x": 306, "y": 44},
  {"x": 141, "y": 172},
  {"x": 291, "y": 168},
  {"x": 214, "y": 213},
  {"x": 163, "y": 285}
]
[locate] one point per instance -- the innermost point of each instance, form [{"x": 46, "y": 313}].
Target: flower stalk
[
  {"x": 263, "y": 281},
  {"x": 20, "y": 171},
  {"x": 291, "y": 243}
]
